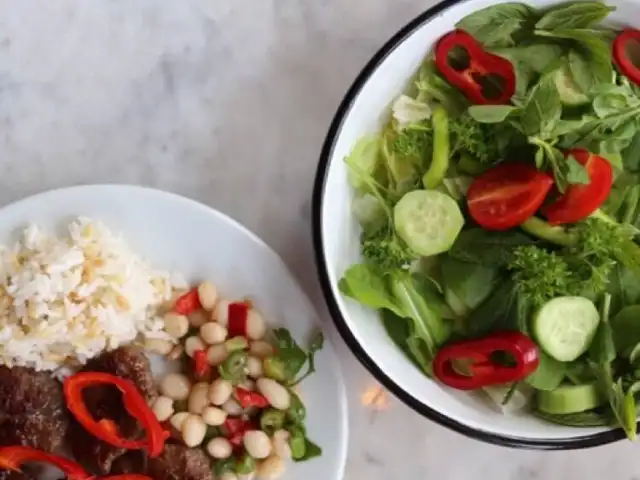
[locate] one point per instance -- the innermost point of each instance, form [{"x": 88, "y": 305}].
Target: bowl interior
[{"x": 368, "y": 112}]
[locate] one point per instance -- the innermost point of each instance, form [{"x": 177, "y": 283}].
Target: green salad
[{"x": 500, "y": 213}]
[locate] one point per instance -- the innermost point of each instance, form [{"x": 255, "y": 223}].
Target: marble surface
[{"x": 227, "y": 102}]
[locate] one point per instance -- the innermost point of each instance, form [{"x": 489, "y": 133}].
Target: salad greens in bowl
[{"x": 477, "y": 215}]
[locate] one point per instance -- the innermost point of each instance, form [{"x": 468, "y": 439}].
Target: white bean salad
[{"x": 236, "y": 395}]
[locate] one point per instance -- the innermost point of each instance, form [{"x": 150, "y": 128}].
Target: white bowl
[{"x": 365, "y": 109}]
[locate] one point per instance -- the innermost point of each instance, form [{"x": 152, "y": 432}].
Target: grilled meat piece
[
  {"x": 32, "y": 409},
  {"x": 8, "y": 475},
  {"x": 178, "y": 462},
  {"x": 106, "y": 402}
]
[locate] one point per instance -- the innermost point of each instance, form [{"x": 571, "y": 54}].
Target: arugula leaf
[
  {"x": 428, "y": 331},
  {"x": 576, "y": 173},
  {"x": 491, "y": 113},
  {"x": 363, "y": 283},
  {"x": 574, "y": 15},
  {"x": 496, "y": 26},
  {"x": 484, "y": 247},
  {"x": 466, "y": 284},
  {"x": 543, "y": 109},
  {"x": 601, "y": 353},
  {"x": 625, "y": 329},
  {"x": 497, "y": 312}
]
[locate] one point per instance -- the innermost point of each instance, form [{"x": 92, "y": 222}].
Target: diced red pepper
[
  {"x": 238, "y": 313},
  {"x": 13, "y": 457},
  {"x": 105, "y": 429},
  {"x": 620, "y": 53},
  {"x": 482, "y": 66},
  {"x": 483, "y": 369},
  {"x": 188, "y": 303},
  {"x": 201, "y": 366},
  {"x": 247, "y": 398}
]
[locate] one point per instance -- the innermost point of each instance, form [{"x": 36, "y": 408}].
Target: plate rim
[
  {"x": 209, "y": 210},
  {"x": 317, "y": 203}
]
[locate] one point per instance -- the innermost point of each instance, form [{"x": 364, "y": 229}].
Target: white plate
[{"x": 177, "y": 234}]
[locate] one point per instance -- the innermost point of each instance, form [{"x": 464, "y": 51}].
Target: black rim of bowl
[{"x": 594, "y": 440}]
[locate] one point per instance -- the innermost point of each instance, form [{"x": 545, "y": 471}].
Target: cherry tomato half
[
  {"x": 580, "y": 201},
  {"x": 507, "y": 195}
]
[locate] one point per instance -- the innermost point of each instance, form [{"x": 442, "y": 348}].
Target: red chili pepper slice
[
  {"x": 620, "y": 54},
  {"x": 580, "y": 201},
  {"x": 484, "y": 370},
  {"x": 234, "y": 426},
  {"x": 247, "y": 398},
  {"x": 13, "y": 457},
  {"x": 238, "y": 313},
  {"x": 482, "y": 64},
  {"x": 188, "y": 303},
  {"x": 201, "y": 364},
  {"x": 105, "y": 429}
]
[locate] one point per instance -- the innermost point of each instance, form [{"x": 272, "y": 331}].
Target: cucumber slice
[
  {"x": 570, "y": 399},
  {"x": 428, "y": 221},
  {"x": 569, "y": 91},
  {"x": 565, "y": 326}
]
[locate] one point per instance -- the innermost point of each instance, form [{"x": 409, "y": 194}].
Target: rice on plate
[{"x": 65, "y": 299}]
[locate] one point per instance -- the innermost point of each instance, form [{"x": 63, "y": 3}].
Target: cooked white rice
[{"x": 65, "y": 299}]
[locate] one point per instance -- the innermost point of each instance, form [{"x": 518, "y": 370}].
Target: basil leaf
[
  {"x": 495, "y": 26},
  {"x": 574, "y": 15},
  {"x": 543, "y": 109},
  {"x": 576, "y": 173},
  {"x": 492, "y": 249},
  {"x": 631, "y": 156},
  {"x": 542, "y": 58},
  {"x": 466, "y": 284},
  {"x": 594, "y": 52},
  {"x": 491, "y": 113}
]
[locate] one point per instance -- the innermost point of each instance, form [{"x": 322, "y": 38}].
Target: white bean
[
  {"x": 228, "y": 476},
  {"x": 178, "y": 419},
  {"x": 214, "y": 416},
  {"x": 175, "y": 386},
  {"x": 176, "y": 325},
  {"x": 271, "y": 468},
  {"x": 216, "y": 354},
  {"x": 219, "y": 448},
  {"x": 198, "y": 318},
  {"x": 193, "y": 431},
  {"x": 212, "y": 333},
  {"x": 281, "y": 445},
  {"x": 220, "y": 391},
  {"x": 232, "y": 408},
  {"x": 199, "y": 398},
  {"x": 256, "y": 326},
  {"x": 221, "y": 312},
  {"x": 192, "y": 344},
  {"x": 254, "y": 367},
  {"x": 257, "y": 444},
  {"x": 261, "y": 349},
  {"x": 276, "y": 394},
  {"x": 208, "y": 295},
  {"x": 163, "y": 408},
  {"x": 159, "y": 346}
]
